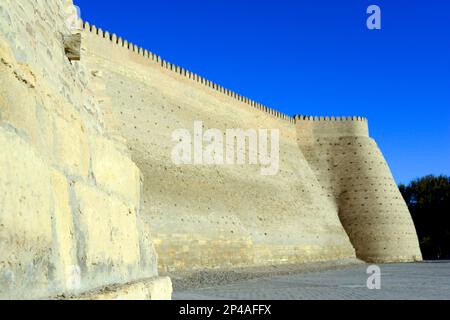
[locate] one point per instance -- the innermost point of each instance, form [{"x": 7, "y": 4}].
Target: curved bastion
[
  {"x": 350, "y": 167},
  {"x": 93, "y": 206},
  {"x": 219, "y": 216}
]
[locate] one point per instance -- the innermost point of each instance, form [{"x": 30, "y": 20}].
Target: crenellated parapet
[
  {"x": 351, "y": 168},
  {"x": 93, "y": 203},
  {"x": 323, "y": 118},
  {"x": 122, "y": 43},
  {"x": 315, "y": 126}
]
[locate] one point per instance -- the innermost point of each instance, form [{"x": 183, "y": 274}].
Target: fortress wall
[
  {"x": 70, "y": 195},
  {"x": 351, "y": 168},
  {"x": 88, "y": 188},
  {"x": 210, "y": 216},
  {"x": 105, "y": 39}
]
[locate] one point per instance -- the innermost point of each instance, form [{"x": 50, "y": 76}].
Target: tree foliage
[{"x": 428, "y": 199}]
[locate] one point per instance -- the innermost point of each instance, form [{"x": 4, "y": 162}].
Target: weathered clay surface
[
  {"x": 221, "y": 216},
  {"x": 70, "y": 206},
  {"x": 90, "y": 195}
]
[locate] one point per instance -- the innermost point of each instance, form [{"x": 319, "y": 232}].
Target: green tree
[{"x": 428, "y": 199}]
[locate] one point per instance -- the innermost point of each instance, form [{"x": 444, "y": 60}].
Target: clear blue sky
[{"x": 313, "y": 57}]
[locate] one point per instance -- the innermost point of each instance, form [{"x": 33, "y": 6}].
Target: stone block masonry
[
  {"x": 70, "y": 205},
  {"x": 92, "y": 207}
]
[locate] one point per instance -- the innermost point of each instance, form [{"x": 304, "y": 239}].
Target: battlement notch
[{"x": 120, "y": 42}]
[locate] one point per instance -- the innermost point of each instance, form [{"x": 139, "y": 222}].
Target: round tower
[{"x": 351, "y": 168}]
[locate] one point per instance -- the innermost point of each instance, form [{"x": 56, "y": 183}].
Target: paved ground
[{"x": 427, "y": 280}]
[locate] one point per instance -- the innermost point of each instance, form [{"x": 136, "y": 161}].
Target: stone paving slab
[{"x": 426, "y": 280}]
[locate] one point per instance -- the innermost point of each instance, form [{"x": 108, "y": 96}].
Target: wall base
[{"x": 159, "y": 288}]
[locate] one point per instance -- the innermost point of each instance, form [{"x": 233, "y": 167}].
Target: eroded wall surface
[
  {"x": 89, "y": 190},
  {"x": 69, "y": 194},
  {"x": 351, "y": 167},
  {"x": 211, "y": 216},
  {"x": 216, "y": 216}
]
